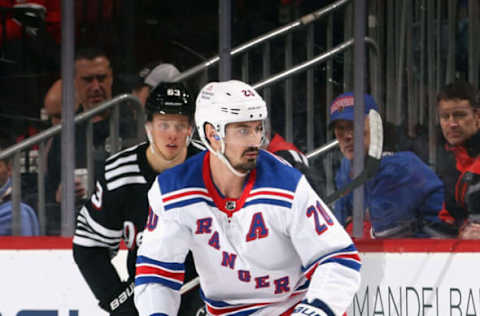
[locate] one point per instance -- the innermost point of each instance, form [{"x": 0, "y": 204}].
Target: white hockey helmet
[{"x": 222, "y": 103}]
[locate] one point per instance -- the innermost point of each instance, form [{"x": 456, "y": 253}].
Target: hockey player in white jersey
[{"x": 263, "y": 242}]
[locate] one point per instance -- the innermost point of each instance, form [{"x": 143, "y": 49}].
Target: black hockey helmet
[{"x": 170, "y": 98}]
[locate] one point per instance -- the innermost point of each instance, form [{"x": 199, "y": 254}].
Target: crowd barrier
[{"x": 406, "y": 277}]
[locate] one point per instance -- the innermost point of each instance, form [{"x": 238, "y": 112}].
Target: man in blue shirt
[
  {"x": 29, "y": 222},
  {"x": 403, "y": 196}
]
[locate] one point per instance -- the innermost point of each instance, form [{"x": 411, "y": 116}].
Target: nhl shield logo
[{"x": 230, "y": 205}]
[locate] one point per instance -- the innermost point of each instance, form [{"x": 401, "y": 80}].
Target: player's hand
[
  {"x": 126, "y": 309},
  {"x": 80, "y": 190},
  {"x": 121, "y": 304},
  {"x": 315, "y": 308},
  {"x": 470, "y": 231}
]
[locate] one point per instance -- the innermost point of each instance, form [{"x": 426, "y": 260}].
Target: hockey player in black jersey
[{"x": 118, "y": 208}]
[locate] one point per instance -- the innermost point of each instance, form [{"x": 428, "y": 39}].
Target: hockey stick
[
  {"x": 373, "y": 159},
  {"x": 371, "y": 166},
  {"x": 189, "y": 285}
]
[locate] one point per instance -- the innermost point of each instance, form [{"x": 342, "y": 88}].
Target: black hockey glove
[
  {"x": 472, "y": 197},
  {"x": 32, "y": 19},
  {"x": 121, "y": 304}
]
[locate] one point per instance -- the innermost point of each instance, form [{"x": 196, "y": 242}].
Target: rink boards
[{"x": 399, "y": 277}]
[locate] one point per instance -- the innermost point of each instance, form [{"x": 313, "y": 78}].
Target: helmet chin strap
[{"x": 224, "y": 159}]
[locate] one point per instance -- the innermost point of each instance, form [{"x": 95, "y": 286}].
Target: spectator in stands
[
  {"x": 403, "y": 195},
  {"x": 458, "y": 106},
  {"x": 150, "y": 76},
  {"x": 28, "y": 218},
  {"x": 288, "y": 151},
  {"x": 53, "y": 103},
  {"x": 29, "y": 50},
  {"x": 53, "y": 107},
  {"x": 93, "y": 86},
  {"x": 279, "y": 146}
]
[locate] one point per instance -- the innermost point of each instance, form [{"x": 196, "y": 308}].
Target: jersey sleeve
[
  {"x": 97, "y": 238},
  {"x": 160, "y": 268},
  {"x": 329, "y": 258}
]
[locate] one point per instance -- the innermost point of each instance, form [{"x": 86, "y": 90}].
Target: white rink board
[
  {"x": 393, "y": 283},
  {"x": 47, "y": 280},
  {"x": 418, "y": 284}
]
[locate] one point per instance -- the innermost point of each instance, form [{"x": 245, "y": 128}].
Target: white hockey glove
[{"x": 315, "y": 308}]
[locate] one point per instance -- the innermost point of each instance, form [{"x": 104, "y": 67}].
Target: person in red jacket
[
  {"x": 458, "y": 106},
  {"x": 277, "y": 145}
]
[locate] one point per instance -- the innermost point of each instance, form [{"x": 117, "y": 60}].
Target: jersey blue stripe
[
  {"x": 139, "y": 280},
  {"x": 345, "y": 262},
  {"x": 350, "y": 248},
  {"x": 269, "y": 201},
  {"x": 166, "y": 265},
  {"x": 188, "y": 202},
  {"x": 304, "y": 286},
  {"x": 213, "y": 302}
]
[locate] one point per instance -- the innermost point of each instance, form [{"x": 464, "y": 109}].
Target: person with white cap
[
  {"x": 262, "y": 240},
  {"x": 150, "y": 76}
]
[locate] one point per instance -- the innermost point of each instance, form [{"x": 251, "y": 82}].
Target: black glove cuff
[{"x": 120, "y": 300}]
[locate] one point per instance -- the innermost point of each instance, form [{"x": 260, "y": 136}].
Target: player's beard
[{"x": 250, "y": 164}]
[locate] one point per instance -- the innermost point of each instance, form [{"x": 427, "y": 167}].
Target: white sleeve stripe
[
  {"x": 121, "y": 170},
  {"x": 124, "y": 181},
  {"x": 120, "y": 161},
  {"x": 107, "y": 241},
  {"x": 305, "y": 160},
  {"x": 99, "y": 228},
  {"x": 86, "y": 242},
  {"x": 295, "y": 155}
]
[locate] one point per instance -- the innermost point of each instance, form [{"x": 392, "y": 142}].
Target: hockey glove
[
  {"x": 315, "y": 308},
  {"x": 121, "y": 304},
  {"x": 472, "y": 197},
  {"x": 32, "y": 19}
]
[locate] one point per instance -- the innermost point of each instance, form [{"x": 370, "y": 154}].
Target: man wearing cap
[{"x": 405, "y": 196}]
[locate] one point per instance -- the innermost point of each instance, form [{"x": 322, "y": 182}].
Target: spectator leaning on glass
[
  {"x": 403, "y": 196},
  {"x": 28, "y": 218},
  {"x": 458, "y": 106},
  {"x": 119, "y": 207}
]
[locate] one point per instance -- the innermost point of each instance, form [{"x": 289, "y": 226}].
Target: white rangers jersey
[{"x": 261, "y": 254}]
